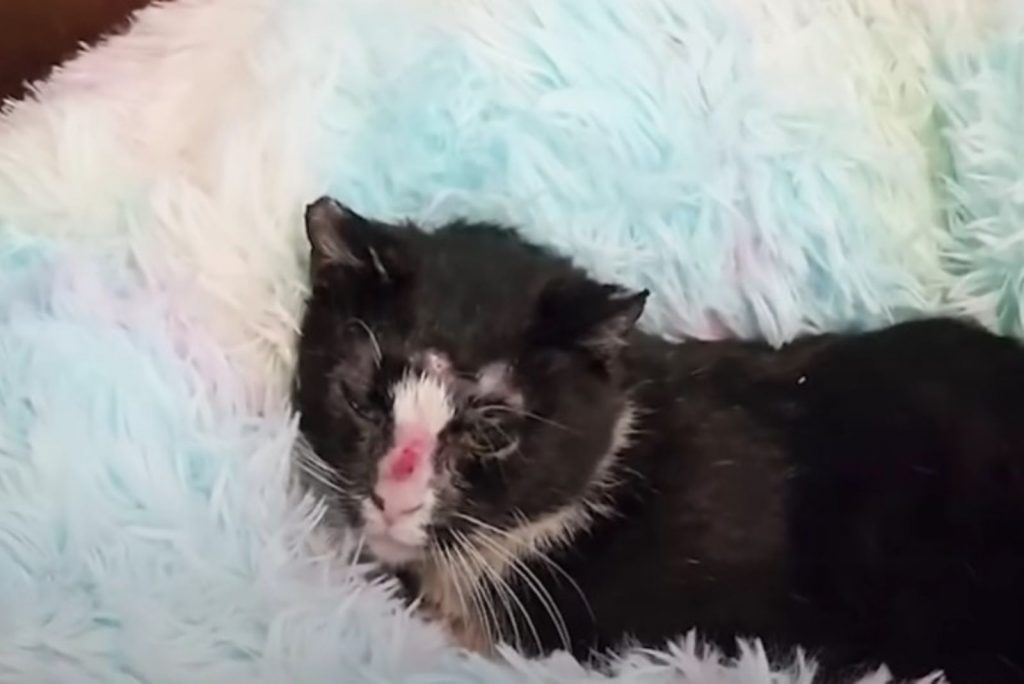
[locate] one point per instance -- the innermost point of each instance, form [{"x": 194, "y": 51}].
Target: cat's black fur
[{"x": 860, "y": 495}]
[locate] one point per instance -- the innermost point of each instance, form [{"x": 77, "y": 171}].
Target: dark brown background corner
[{"x": 37, "y": 34}]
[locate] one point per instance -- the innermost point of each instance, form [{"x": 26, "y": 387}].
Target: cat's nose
[
  {"x": 396, "y": 499},
  {"x": 409, "y": 460},
  {"x": 391, "y": 510},
  {"x": 403, "y": 477},
  {"x": 404, "y": 462}
]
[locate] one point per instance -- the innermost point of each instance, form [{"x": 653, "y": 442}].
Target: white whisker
[
  {"x": 454, "y": 574},
  {"x": 504, "y": 588},
  {"x": 535, "y": 585},
  {"x": 526, "y": 414},
  {"x": 378, "y": 355},
  {"x": 318, "y": 470},
  {"x": 484, "y": 609},
  {"x": 538, "y": 553},
  {"x": 322, "y": 478}
]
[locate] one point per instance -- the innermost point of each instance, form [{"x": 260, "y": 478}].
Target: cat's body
[{"x": 860, "y": 495}]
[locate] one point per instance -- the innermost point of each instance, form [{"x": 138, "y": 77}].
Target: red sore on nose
[{"x": 406, "y": 461}]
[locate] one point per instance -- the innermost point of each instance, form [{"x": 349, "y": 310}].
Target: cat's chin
[{"x": 388, "y": 551}]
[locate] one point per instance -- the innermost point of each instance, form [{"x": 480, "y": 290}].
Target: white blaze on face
[
  {"x": 422, "y": 402},
  {"x": 491, "y": 378},
  {"x": 402, "y": 506},
  {"x": 494, "y": 380}
]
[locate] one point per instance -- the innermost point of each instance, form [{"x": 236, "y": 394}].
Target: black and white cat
[{"x": 543, "y": 474}]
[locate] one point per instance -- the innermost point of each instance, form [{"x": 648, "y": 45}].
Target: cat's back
[
  {"x": 937, "y": 356},
  {"x": 862, "y": 494},
  {"x": 921, "y": 418},
  {"x": 905, "y": 509},
  {"x": 940, "y": 397}
]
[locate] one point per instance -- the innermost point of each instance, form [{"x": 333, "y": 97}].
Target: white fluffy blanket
[{"x": 765, "y": 167}]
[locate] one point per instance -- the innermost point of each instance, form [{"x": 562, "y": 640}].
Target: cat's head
[{"x": 456, "y": 383}]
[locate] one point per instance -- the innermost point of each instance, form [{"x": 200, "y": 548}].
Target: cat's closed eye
[
  {"x": 361, "y": 407},
  {"x": 360, "y": 402},
  {"x": 491, "y": 430},
  {"x": 491, "y": 441}
]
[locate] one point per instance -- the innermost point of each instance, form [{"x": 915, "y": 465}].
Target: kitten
[{"x": 543, "y": 474}]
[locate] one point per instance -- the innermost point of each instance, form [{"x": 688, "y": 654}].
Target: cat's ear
[
  {"x": 343, "y": 241},
  {"x": 331, "y": 228},
  {"x": 586, "y": 315}
]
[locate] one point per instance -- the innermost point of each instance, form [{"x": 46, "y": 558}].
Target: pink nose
[
  {"x": 388, "y": 507},
  {"x": 405, "y": 462},
  {"x": 403, "y": 477}
]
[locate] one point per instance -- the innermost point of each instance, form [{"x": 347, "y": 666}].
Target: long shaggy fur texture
[{"x": 765, "y": 168}]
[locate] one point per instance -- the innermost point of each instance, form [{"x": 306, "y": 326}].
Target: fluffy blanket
[{"x": 765, "y": 167}]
